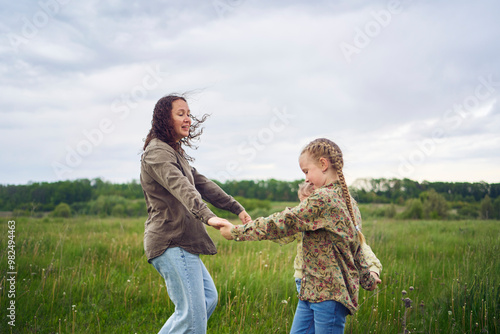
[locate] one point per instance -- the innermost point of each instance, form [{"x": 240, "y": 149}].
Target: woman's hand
[
  {"x": 217, "y": 222},
  {"x": 225, "y": 231},
  {"x": 245, "y": 217}
]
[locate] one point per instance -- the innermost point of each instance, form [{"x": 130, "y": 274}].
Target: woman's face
[{"x": 181, "y": 118}]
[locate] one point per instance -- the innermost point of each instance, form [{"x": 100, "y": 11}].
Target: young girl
[
  {"x": 334, "y": 264},
  {"x": 375, "y": 267}
]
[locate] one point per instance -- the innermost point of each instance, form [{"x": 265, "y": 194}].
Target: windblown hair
[
  {"x": 162, "y": 126},
  {"x": 325, "y": 148}
]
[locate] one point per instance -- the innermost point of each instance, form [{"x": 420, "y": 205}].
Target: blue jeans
[
  {"x": 297, "y": 283},
  {"x": 326, "y": 317},
  {"x": 191, "y": 289}
]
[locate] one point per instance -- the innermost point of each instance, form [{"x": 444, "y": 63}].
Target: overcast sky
[{"x": 407, "y": 89}]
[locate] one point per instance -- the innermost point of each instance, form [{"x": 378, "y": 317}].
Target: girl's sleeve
[
  {"x": 283, "y": 224},
  {"x": 286, "y": 240},
  {"x": 371, "y": 259},
  {"x": 365, "y": 279}
]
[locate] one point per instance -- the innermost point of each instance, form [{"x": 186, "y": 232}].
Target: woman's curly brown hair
[{"x": 161, "y": 126}]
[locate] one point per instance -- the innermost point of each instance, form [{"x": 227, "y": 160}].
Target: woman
[{"x": 174, "y": 235}]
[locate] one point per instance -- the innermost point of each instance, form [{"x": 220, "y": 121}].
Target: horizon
[{"x": 137, "y": 181}]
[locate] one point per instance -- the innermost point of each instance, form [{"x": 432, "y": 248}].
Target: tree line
[
  {"x": 103, "y": 198},
  {"x": 397, "y": 191}
]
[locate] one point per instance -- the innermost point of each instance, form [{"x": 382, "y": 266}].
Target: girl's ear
[{"x": 324, "y": 164}]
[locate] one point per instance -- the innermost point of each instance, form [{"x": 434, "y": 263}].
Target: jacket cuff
[
  {"x": 204, "y": 215},
  {"x": 238, "y": 233},
  {"x": 235, "y": 233},
  {"x": 366, "y": 281},
  {"x": 375, "y": 269},
  {"x": 237, "y": 208}
]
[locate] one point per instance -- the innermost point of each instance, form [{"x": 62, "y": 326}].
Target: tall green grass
[{"x": 89, "y": 275}]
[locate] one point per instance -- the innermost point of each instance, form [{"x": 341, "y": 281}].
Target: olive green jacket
[{"x": 174, "y": 193}]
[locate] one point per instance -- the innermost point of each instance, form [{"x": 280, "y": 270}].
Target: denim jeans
[
  {"x": 191, "y": 289},
  {"x": 326, "y": 317},
  {"x": 297, "y": 283}
]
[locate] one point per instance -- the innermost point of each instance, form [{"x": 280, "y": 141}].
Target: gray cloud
[{"x": 84, "y": 77}]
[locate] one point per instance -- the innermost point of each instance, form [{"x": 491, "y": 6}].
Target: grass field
[{"x": 89, "y": 275}]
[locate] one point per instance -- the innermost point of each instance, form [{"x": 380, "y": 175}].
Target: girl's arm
[
  {"x": 373, "y": 262},
  {"x": 371, "y": 259},
  {"x": 304, "y": 217},
  {"x": 286, "y": 240},
  {"x": 366, "y": 280}
]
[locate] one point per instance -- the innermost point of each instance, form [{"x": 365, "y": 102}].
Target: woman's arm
[
  {"x": 213, "y": 194},
  {"x": 161, "y": 165}
]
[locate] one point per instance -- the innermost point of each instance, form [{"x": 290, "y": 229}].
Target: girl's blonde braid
[{"x": 347, "y": 197}]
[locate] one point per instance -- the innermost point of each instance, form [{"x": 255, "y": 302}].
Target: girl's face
[
  {"x": 312, "y": 170},
  {"x": 181, "y": 118}
]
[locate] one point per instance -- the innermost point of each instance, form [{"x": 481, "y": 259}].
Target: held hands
[
  {"x": 223, "y": 225},
  {"x": 217, "y": 222},
  {"x": 225, "y": 231}
]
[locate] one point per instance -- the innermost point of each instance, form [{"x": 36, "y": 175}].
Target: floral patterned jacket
[
  {"x": 334, "y": 265},
  {"x": 371, "y": 259}
]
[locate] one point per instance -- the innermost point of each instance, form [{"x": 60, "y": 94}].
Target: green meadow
[{"x": 90, "y": 275}]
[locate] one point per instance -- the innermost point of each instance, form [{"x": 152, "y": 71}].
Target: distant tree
[
  {"x": 103, "y": 206},
  {"x": 486, "y": 208},
  {"x": 434, "y": 205},
  {"x": 495, "y": 214},
  {"x": 62, "y": 210},
  {"x": 414, "y": 209},
  {"x": 118, "y": 210},
  {"x": 467, "y": 210}
]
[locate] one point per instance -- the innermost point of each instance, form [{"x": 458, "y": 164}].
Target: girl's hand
[
  {"x": 377, "y": 279},
  {"x": 245, "y": 217}
]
